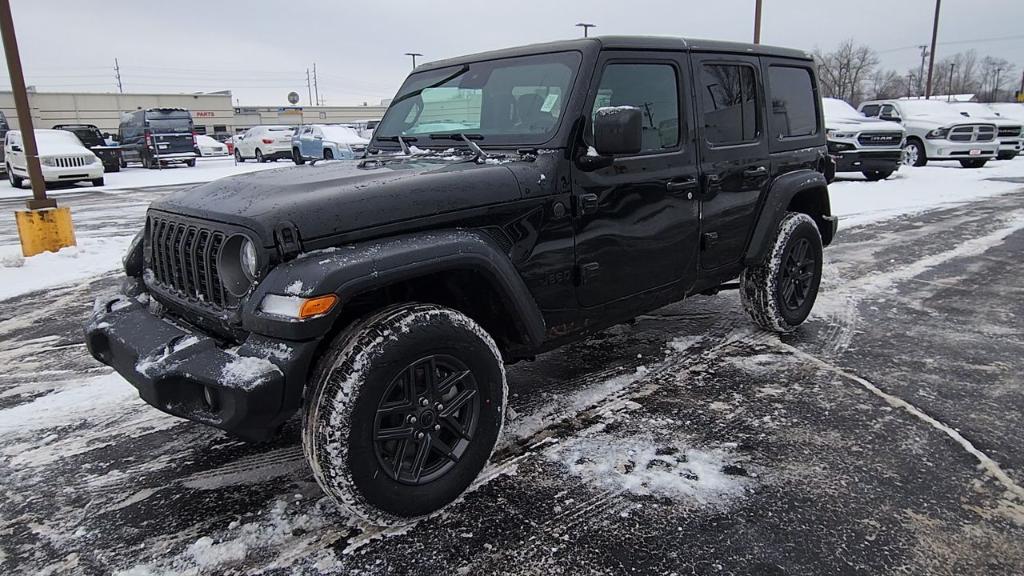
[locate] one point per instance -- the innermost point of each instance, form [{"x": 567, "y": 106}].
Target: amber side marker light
[{"x": 317, "y": 306}]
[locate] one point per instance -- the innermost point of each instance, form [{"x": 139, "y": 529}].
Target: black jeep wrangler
[{"x": 509, "y": 202}]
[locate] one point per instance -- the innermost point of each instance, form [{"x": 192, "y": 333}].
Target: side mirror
[
  {"x": 618, "y": 130},
  {"x": 890, "y": 118}
]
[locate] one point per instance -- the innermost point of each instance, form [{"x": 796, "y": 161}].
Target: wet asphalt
[{"x": 883, "y": 437}]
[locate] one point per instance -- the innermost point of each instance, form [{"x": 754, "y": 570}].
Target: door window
[
  {"x": 731, "y": 104},
  {"x": 870, "y": 110},
  {"x": 651, "y": 88},
  {"x": 793, "y": 111}
]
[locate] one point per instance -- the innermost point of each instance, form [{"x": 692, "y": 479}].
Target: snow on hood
[
  {"x": 841, "y": 116},
  {"x": 57, "y": 142},
  {"x": 343, "y": 135}
]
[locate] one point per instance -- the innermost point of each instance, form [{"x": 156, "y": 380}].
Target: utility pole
[
  {"x": 586, "y": 28},
  {"x": 920, "y": 77},
  {"x": 1020, "y": 95},
  {"x": 757, "y": 22},
  {"x": 995, "y": 87},
  {"x": 949, "y": 94},
  {"x": 309, "y": 88},
  {"x": 117, "y": 74},
  {"x": 316, "y": 87},
  {"x": 414, "y": 55},
  {"x": 931, "y": 57}
]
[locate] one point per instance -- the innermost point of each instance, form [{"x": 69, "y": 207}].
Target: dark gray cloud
[{"x": 260, "y": 50}]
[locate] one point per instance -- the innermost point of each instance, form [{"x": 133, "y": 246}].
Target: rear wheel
[
  {"x": 974, "y": 163},
  {"x": 779, "y": 292},
  {"x": 147, "y": 162},
  {"x": 297, "y": 156},
  {"x": 190, "y": 163},
  {"x": 259, "y": 156},
  {"x": 914, "y": 153},
  {"x": 876, "y": 175},
  {"x": 407, "y": 405}
]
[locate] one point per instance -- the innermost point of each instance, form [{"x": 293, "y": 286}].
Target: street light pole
[
  {"x": 586, "y": 28},
  {"x": 757, "y": 22},
  {"x": 28, "y": 135},
  {"x": 995, "y": 87},
  {"x": 931, "y": 57},
  {"x": 414, "y": 55}
]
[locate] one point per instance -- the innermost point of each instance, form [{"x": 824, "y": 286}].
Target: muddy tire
[
  {"x": 779, "y": 292},
  {"x": 405, "y": 408}
]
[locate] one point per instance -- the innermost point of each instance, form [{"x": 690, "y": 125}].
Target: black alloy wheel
[
  {"x": 426, "y": 419},
  {"x": 797, "y": 274}
]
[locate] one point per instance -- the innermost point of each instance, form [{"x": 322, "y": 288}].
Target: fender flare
[
  {"x": 778, "y": 200},
  {"x": 358, "y": 268}
]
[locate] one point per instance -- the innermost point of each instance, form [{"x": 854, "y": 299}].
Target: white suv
[
  {"x": 935, "y": 131},
  {"x": 62, "y": 158},
  {"x": 264, "y": 143},
  {"x": 1009, "y": 129}
]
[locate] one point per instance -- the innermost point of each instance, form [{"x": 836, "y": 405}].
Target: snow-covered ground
[{"x": 205, "y": 170}]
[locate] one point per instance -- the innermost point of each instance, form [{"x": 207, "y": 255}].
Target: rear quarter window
[{"x": 792, "y": 104}]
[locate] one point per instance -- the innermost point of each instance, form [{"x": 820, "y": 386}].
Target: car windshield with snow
[{"x": 508, "y": 204}]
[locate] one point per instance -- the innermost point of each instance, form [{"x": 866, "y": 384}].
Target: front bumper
[
  {"x": 947, "y": 150},
  {"x": 168, "y": 158},
  {"x": 249, "y": 390},
  {"x": 868, "y": 160},
  {"x": 75, "y": 174}
]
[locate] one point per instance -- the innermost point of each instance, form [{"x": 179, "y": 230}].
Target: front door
[
  {"x": 636, "y": 221},
  {"x": 734, "y": 157}
]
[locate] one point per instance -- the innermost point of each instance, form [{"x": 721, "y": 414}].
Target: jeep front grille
[
  {"x": 880, "y": 138},
  {"x": 184, "y": 259},
  {"x": 1009, "y": 131}
]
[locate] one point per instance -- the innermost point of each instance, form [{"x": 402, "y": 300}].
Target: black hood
[{"x": 337, "y": 197}]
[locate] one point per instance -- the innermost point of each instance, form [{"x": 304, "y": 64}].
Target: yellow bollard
[{"x": 46, "y": 230}]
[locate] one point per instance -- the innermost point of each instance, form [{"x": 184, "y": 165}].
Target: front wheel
[
  {"x": 238, "y": 156},
  {"x": 876, "y": 175},
  {"x": 190, "y": 163},
  {"x": 779, "y": 292},
  {"x": 259, "y": 156},
  {"x": 97, "y": 181},
  {"x": 914, "y": 154},
  {"x": 406, "y": 408},
  {"x": 16, "y": 181},
  {"x": 974, "y": 163}
]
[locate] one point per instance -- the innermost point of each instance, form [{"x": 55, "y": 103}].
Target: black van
[{"x": 157, "y": 137}]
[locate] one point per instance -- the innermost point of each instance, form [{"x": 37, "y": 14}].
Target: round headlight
[
  {"x": 248, "y": 257},
  {"x": 238, "y": 264}
]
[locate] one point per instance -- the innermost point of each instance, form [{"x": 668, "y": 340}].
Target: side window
[
  {"x": 317, "y": 133},
  {"x": 732, "y": 111},
  {"x": 870, "y": 110},
  {"x": 793, "y": 109},
  {"x": 888, "y": 111},
  {"x": 653, "y": 88}
]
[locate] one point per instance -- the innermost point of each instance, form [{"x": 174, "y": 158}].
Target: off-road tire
[
  {"x": 297, "y": 157},
  {"x": 238, "y": 156},
  {"x": 919, "y": 159},
  {"x": 975, "y": 163},
  {"x": 762, "y": 286},
  {"x": 876, "y": 175},
  {"x": 354, "y": 378}
]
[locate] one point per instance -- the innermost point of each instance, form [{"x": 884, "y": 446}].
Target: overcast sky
[{"x": 260, "y": 50}]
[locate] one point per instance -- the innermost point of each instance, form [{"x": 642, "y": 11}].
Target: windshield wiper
[
  {"x": 401, "y": 142},
  {"x": 468, "y": 139}
]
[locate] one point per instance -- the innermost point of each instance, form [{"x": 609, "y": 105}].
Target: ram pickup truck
[
  {"x": 936, "y": 131},
  {"x": 870, "y": 146},
  {"x": 509, "y": 203}
]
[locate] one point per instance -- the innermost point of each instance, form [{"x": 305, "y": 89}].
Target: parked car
[
  {"x": 4, "y": 127},
  {"x": 383, "y": 297},
  {"x": 208, "y": 146},
  {"x": 62, "y": 158},
  {"x": 870, "y": 146},
  {"x": 1009, "y": 110},
  {"x": 1009, "y": 130},
  {"x": 94, "y": 140},
  {"x": 264, "y": 143},
  {"x": 326, "y": 142},
  {"x": 157, "y": 137},
  {"x": 935, "y": 131}
]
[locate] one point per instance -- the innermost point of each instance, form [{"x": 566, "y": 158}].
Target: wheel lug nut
[
  {"x": 412, "y": 419},
  {"x": 424, "y": 401},
  {"x": 439, "y": 406},
  {"x": 419, "y": 435},
  {"x": 437, "y": 427}
]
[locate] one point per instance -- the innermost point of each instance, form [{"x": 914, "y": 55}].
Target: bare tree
[
  {"x": 845, "y": 72},
  {"x": 994, "y": 75}
]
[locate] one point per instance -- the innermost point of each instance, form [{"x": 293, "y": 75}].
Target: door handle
[
  {"x": 755, "y": 172},
  {"x": 684, "y": 185},
  {"x": 586, "y": 204}
]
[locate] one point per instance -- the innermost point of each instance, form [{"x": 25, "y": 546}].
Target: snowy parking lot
[{"x": 882, "y": 437}]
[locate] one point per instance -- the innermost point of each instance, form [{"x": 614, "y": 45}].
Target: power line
[{"x": 952, "y": 42}]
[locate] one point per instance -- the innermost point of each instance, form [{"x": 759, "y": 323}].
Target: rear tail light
[
  {"x": 193, "y": 138},
  {"x": 149, "y": 140},
  {"x": 268, "y": 140}
]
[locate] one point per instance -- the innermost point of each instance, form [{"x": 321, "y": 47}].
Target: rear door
[
  {"x": 636, "y": 221},
  {"x": 171, "y": 131},
  {"x": 734, "y": 159}
]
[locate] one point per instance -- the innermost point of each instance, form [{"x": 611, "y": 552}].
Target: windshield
[
  {"x": 169, "y": 121},
  {"x": 88, "y": 136},
  {"x": 839, "y": 109},
  {"x": 507, "y": 101}
]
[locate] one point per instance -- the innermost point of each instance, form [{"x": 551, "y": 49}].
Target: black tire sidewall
[
  {"x": 803, "y": 230},
  {"x": 328, "y": 154},
  {"x": 355, "y": 480}
]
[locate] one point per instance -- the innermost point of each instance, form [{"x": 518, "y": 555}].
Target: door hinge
[
  {"x": 586, "y": 272},
  {"x": 708, "y": 239},
  {"x": 585, "y": 204}
]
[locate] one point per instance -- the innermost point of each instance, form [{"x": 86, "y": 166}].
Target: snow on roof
[{"x": 946, "y": 97}]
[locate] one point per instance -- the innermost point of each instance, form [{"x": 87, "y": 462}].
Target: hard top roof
[{"x": 665, "y": 43}]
